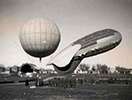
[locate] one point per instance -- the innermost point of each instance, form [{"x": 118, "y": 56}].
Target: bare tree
[
  {"x": 103, "y": 69},
  {"x": 84, "y": 67}
]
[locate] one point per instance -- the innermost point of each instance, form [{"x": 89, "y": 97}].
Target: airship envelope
[{"x": 93, "y": 44}]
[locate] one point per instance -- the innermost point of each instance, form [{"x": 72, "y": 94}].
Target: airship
[
  {"x": 39, "y": 37},
  {"x": 66, "y": 61}
]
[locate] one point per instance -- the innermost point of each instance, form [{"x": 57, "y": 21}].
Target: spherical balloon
[{"x": 39, "y": 37}]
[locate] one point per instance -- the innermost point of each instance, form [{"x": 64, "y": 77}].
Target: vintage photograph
[{"x": 65, "y": 50}]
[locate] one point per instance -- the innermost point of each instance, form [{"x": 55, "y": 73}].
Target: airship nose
[{"x": 118, "y": 36}]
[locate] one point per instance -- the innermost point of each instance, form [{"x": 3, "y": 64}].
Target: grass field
[{"x": 91, "y": 92}]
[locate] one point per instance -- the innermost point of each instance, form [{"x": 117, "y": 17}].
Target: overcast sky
[{"x": 75, "y": 18}]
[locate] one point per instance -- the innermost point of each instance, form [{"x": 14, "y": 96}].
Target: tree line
[{"x": 101, "y": 69}]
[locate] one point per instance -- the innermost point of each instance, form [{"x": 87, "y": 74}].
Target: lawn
[{"x": 91, "y": 92}]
